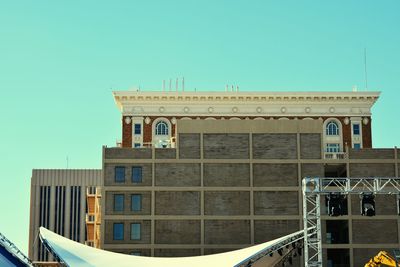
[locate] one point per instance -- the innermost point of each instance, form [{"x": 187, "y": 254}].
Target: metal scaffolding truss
[{"x": 314, "y": 187}]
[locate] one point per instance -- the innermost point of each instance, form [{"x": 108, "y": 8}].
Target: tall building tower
[
  {"x": 205, "y": 172},
  {"x": 58, "y": 203}
]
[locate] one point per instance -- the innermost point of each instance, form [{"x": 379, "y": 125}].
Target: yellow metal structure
[{"x": 382, "y": 259}]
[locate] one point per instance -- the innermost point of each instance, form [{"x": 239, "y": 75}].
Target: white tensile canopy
[{"x": 75, "y": 254}]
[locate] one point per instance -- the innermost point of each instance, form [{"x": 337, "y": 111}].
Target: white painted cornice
[{"x": 284, "y": 104}]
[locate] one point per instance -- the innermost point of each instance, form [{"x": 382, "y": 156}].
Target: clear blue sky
[{"x": 59, "y": 61}]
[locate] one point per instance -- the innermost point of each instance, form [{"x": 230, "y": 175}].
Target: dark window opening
[
  {"x": 138, "y": 128},
  {"x": 136, "y": 202},
  {"x": 338, "y": 258},
  {"x": 356, "y": 129},
  {"x": 337, "y": 232},
  {"x": 118, "y": 231},
  {"x": 118, "y": 202},
  {"x": 119, "y": 174},
  {"x": 136, "y": 174}
]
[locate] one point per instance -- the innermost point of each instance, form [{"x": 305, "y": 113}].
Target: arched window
[
  {"x": 161, "y": 128},
  {"x": 332, "y": 128}
]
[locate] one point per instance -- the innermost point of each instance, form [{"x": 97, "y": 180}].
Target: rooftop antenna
[
  {"x": 232, "y": 88},
  {"x": 67, "y": 162},
  {"x": 170, "y": 84},
  {"x": 226, "y": 88},
  {"x": 237, "y": 88},
  {"x": 163, "y": 85},
  {"x": 365, "y": 68},
  {"x": 176, "y": 84},
  {"x": 183, "y": 84}
]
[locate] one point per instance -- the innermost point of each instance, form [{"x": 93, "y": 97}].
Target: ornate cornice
[{"x": 285, "y": 104}]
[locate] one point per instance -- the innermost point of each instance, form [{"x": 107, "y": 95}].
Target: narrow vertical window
[
  {"x": 118, "y": 202},
  {"x": 356, "y": 129},
  {"x": 136, "y": 202},
  {"x": 119, "y": 174},
  {"x": 138, "y": 128},
  {"x": 136, "y": 174},
  {"x": 118, "y": 231},
  {"x": 136, "y": 231}
]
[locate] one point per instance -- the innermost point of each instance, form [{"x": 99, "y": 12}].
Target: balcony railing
[
  {"x": 167, "y": 143},
  {"x": 335, "y": 155}
]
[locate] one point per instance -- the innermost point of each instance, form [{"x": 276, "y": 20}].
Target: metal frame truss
[{"x": 314, "y": 187}]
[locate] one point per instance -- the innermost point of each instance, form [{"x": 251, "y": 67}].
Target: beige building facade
[
  {"x": 207, "y": 176},
  {"x": 58, "y": 203},
  {"x": 205, "y": 172}
]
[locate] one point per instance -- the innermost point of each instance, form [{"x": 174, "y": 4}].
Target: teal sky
[{"x": 59, "y": 61}]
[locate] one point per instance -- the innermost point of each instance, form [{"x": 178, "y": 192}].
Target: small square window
[
  {"x": 136, "y": 231},
  {"x": 136, "y": 145},
  {"x": 138, "y": 128},
  {"x": 118, "y": 231},
  {"x": 136, "y": 174},
  {"x": 357, "y": 146},
  {"x": 118, "y": 202},
  {"x": 119, "y": 174},
  {"x": 356, "y": 129},
  {"x": 136, "y": 202}
]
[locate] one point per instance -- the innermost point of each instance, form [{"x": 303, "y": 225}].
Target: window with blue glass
[
  {"x": 161, "y": 128},
  {"x": 136, "y": 174},
  {"x": 332, "y": 148},
  {"x": 136, "y": 145},
  {"x": 136, "y": 202},
  {"x": 332, "y": 128},
  {"x": 136, "y": 231},
  {"x": 357, "y": 146},
  {"x": 119, "y": 174},
  {"x": 138, "y": 128},
  {"x": 118, "y": 231},
  {"x": 356, "y": 129},
  {"x": 118, "y": 202}
]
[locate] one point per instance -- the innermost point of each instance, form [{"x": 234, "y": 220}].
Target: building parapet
[
  {"x": 372, "y": 153},
  {"x": 140, "y": 103}
]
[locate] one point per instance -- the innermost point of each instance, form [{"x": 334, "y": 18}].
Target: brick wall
[
  {"x": 177, "y": 232},
  {"x": 126, "y": 133},
  {"x": 367, "y": 135},
  {"x": 148, "y": 132},
  {"x": 177, "y": 203}
]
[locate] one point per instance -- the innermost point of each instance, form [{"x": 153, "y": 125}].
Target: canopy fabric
[{"x": 76, "y": 254}]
